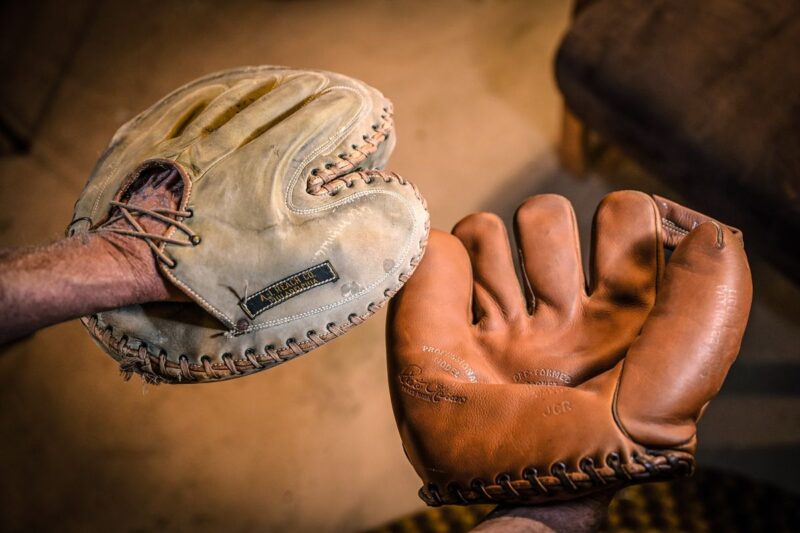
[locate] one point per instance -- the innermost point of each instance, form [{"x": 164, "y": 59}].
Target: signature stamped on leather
[
  {"x": 542, "y": 376},
  {"x": 454, "y": 370},
  {"x": 413, "y": 385},
  {"x": 557, "y": 408},
  {"x": 289, "y": 287}
]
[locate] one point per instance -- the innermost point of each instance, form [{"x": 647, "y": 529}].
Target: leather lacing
[
  {"x": 328, "y": 179},
  {"x": 506, "y": 489},
  {"x": 173, "y": 217},
  {"x": 140, "y": 360}
]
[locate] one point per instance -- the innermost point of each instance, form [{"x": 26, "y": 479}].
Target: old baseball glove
[
  {"x": 578, "y": 387},
  {"x": 284, "y": 236}
]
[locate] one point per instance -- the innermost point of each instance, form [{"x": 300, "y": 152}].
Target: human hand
[
  {"x": 107, "y": 269},
  {"x": 146, "y": 216},
  {"x": 580, "y": 515}
]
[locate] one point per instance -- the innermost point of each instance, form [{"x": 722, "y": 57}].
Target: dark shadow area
[
  {"x": 767, "y": 463},
  {"x": 38, "y": 42}
]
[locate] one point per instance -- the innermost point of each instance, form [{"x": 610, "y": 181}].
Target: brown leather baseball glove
[{"x": 578, "y": 387}]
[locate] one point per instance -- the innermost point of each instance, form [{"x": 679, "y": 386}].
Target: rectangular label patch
[{"x": 289, "y": 287}]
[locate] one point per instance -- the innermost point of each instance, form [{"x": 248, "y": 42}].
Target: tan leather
[
  {"x": 281, "y": 172},
  {"x": 575, "y": 386}
]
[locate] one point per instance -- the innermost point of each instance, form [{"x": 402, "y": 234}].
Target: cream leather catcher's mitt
[{"x": 285, "y": 236}]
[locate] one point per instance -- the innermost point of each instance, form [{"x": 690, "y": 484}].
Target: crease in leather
[{"x": 383, "y": 211}]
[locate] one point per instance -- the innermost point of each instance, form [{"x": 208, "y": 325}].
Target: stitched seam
[
  {"x": 171, "y": 97},
  {"x": 332, "y": 140},
  {"x": 354, "y": 319},
  {"x": 672, "y": 226},
  {"x": 234, "y": 150},
  {"x": 644, "y": 467},
  {"x": 310, "y": 157},
  {"x": 404, "y": 253},
  {"x": 319, "y": 178},
  {"x": 614, "y": 401},
  {"x": 227, "y": 320},
  {"x": 131, "y": 361}
]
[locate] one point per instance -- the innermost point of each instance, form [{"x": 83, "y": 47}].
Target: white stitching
[{"x": 672, "y": 226}]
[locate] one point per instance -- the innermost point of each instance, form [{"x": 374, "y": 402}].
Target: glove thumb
[{"x": 689, "y": 341}]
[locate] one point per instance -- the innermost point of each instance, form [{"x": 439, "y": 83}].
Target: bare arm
[
  {"x": 44, "y": 285},
  {"x": 575, "y": 516}
]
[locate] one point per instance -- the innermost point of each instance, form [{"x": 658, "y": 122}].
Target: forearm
[
  {"x": 44, "y": 285},
  {"x": 575, "y": 516}
]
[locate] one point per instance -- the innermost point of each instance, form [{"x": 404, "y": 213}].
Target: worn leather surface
[
  {"x": 581, "y": 381},
  {"x": 704, "y": 94},
  {"x": 279, "y": 166}
]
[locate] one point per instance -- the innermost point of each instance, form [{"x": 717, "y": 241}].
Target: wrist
[
  {"x": 580, "y": 515},
  {"x": 131, "y": 264},
  {"x": 73, "y": 277}
]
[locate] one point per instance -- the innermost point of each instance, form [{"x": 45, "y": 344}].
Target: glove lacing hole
[
  {"x": 144, "y": 357},
  {"x": 228, "y": 360},
  {"x": 531, "y": 475},
  {"x": 162, "y": 363},
  {"x": 250, "y": 355},
  {"x": 455, "y": 489},
  {"x": 587, "y": 466},
  {"x": 560, "y": 471},
  {"x": 504, "y": 480},
  {"x": 272, "y": 353},
  {"x": 433, "y": 489},
  {"x": 210, "y": 372},
  {"x": 613, "y": 460},
  {"x": 334, "y": 329},
  {"x": 186, "y": 372},
  {"x": 479, "y": 486},
  {"x": 679, "y": 465},
  {"x": 292, "y": 344},
  {"x": 316, "y": 339},
  {"x": 649, "y": 466}
]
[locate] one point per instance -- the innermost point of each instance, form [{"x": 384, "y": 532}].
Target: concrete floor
[{"x": 311, "y": 445}]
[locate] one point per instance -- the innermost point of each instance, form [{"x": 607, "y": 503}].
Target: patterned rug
[{"x": 711, "y": 501}]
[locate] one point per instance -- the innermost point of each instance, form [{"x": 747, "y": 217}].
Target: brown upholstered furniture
[{"x": 705, "y": 95}]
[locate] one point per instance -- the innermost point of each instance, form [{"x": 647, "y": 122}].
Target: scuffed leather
[
  {"x": 252, "y": 144},
  {"x": 576, "y": 385}
]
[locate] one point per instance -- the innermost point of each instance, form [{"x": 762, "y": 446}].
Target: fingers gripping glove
[
  {"x": 286, "y": 234},
  {"x": 576, "y": 388}
]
